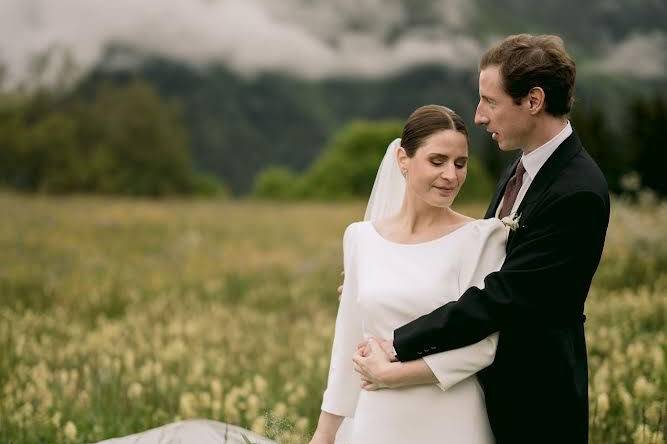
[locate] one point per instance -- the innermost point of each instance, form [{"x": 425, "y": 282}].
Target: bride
[{"x": 412, "y": 254}]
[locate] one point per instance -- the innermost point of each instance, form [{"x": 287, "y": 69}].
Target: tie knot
[
  {"x": 512, "y": 190},
  {"x": 519, "y": 170}
]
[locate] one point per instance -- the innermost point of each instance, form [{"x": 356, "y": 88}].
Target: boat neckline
[{"x": 445, "y": 236}]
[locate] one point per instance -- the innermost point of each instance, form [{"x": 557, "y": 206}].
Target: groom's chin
[{"x": 506, "y": 147}]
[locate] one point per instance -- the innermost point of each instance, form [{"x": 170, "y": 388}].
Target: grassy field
[{"x": 120, "y": 315}]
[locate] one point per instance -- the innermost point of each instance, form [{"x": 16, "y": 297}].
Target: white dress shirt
[{"x": 533, "y": 161}]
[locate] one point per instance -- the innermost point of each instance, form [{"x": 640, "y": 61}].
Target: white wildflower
[
  {"x": 134, "y": 391},
  {"x": 70, "y": 431}
]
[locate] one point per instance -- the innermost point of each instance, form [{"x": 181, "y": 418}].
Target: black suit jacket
[{"x": 536, "y": 390}]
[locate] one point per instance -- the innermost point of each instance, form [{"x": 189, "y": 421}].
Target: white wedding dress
[
  {"x": 192, "y": 431},
  {"x": 386, "y": 285}
]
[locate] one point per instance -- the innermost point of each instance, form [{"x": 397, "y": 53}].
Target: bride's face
[{"x": 438, "y": 169}]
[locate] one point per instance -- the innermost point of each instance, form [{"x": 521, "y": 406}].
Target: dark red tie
[{"x": 512, "y": 190}]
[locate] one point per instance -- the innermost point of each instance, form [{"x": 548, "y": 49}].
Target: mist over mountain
[
  {"x": 264, "y": 83},
  {"x": 325, "y": 38}
]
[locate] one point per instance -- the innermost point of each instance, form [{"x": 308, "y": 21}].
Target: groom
[{"x": 536, "y": 390}]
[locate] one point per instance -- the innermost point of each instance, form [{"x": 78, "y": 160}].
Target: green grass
[{"x": 119, "y": 315}]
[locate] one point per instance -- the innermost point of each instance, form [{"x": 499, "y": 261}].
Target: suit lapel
[{"x": 546, "y": 175}]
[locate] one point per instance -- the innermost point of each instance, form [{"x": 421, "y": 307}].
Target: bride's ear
[{"x": 402, "y": 158}]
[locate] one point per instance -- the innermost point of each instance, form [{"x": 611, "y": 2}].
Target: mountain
[
  {"x": 239, "y": 125},
  {"x": 279, "y": 100}
]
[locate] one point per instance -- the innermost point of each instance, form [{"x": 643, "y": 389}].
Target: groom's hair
[{"x": 528, "y": 61}]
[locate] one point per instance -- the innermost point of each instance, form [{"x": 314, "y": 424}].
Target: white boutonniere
[{"x": 511, "y": 221}]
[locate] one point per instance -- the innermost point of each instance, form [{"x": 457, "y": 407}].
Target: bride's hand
[
  {"x": 373, "y": 366},
  {"x": 364, "y": 348},
  {"x": 340, "y": 288}
]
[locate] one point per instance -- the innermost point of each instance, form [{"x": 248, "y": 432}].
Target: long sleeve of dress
[
  {"x": 344, "y": 384},
  {"x": 484, "y": 255}
]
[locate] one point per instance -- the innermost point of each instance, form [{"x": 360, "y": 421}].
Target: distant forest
[{"x": 167, "y": 128}]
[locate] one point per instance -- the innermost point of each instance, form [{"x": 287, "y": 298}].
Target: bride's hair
[{"x": 426, "y": 121}]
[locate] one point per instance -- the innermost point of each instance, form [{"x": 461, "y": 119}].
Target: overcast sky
[{"x": 311, "y": 38}]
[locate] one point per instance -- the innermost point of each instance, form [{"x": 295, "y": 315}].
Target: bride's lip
[{"x": 444, "y": 189}]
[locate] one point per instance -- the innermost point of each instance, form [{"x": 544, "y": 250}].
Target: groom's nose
[{"x": 480, "y": 117}]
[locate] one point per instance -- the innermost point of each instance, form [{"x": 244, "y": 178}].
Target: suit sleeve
[
  {"x": 344, "y": 384},
  {"x": 484, "y": 255},
  {"x": 543, "y": 281}
]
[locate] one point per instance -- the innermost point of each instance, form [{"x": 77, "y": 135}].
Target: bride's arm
[
  {"x": 343, "y": 385},
  {"x": 445, "y": 369},
  {"x": 453, "y": 366},
  {"x": 403, "y": 374},
  {"x": 327, "y": 427}
]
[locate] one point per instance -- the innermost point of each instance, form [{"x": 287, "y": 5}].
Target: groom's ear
[{"x": 536, "y": 100}]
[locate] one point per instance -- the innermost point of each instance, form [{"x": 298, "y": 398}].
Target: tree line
[
  {"x": 126, "y": 138},
  {"x": 122, "y": 139}
]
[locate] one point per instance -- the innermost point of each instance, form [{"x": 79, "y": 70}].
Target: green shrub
[
  {"x": 347, "y": 167},
  {"x": 277, "y": 183},
  {"x": 121, "y": 140}
]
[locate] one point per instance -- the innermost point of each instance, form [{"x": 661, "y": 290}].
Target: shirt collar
[{"x": 534, "y": 160}]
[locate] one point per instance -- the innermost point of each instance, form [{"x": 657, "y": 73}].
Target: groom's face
[{"x": 509, "y": 123}]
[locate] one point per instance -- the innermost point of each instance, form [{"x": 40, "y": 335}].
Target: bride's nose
[{"x": 449, "y": 172}]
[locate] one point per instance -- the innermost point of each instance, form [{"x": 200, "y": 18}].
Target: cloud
[
  {"x": 640, "y": 55},
  {"x": 312, "y": 38}
]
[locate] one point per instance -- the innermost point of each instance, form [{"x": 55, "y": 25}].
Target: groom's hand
[
  {"x": 340, "y": 289},
  {"x": 374, "y": 369},
  {"x": 364, "y": 348},
  {"x": 388, "y": 348}
]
